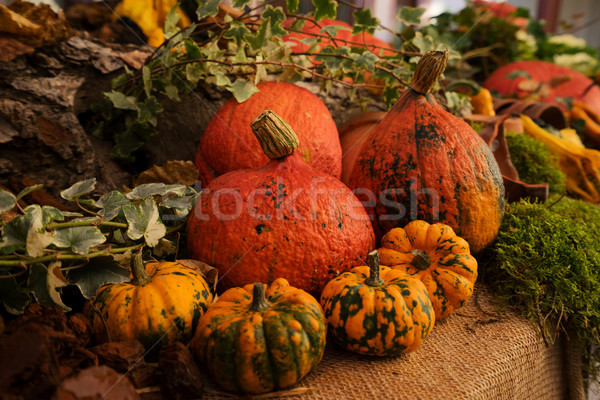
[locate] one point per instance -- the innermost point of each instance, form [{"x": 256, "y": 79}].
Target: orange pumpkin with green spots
[
  {"x": 162, "y": 304},
  {"x": 284, "y": 220},
  {"x": 256, "y": 340},
  {"x": 377, "y": 310},
  {"x": 437, "y": 257},
  {"x": 421, "y": 162}
]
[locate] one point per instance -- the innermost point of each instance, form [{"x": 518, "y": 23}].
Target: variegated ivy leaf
[
  {"x": 7, "y": 200},
  {"x": 37, "y": 237},
  {"x": 153, "y": 189},
  {"x": 28, "y": 190},
  {"x": 325, "y": 9},
  {"x": 364, "y": 22},
  {"x": 44, "y": 284},
  {"x": 98, "y": 272},
  {"x": 242, "y": 90},
  {"x": 111, "y": 204},
  {"x": 410, "y": 15},
  {"x": 80, "y": 239},
  {"x": 207, "y": 8},
  {"x": 144, "y": 221},
  {"x": 12, "y": 296},
  {"x": 79, "y": 189}
]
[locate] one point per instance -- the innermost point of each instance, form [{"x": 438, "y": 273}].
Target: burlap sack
[{"x": 474, "y": 354}]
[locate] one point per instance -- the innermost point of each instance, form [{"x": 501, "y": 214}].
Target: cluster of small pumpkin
[{"x": 255, "y": 339}]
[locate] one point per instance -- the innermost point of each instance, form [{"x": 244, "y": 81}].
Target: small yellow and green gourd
[
  {"x": 256, "y": 339},
  {"x": 433, "y": 254},
  {"x": 376, "y": 310},
  {"x": 162, "y": 304}
]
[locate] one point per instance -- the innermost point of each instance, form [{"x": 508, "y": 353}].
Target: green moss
[
  {"x": 546, "y": 263},
  {"x": 534, "y": 163}
]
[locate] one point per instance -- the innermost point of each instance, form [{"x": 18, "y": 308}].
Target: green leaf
[
  {"x": 79, "y": 189},
  {"x": 292, "y": 5},
  {"x": 518, "y": 74},
  {"x": 171, "y": 21},
  {"x": 423, "y": 43},
  {"x": 148, "y": 111},
  {"x": 240, "y": 3},
  {"x": 37, "y": 236},
  {"x": 12, "y": 296},
  {"x": 144, "y": 221},
  {"x": 146, "y": 78},
  {"x": 194, "y": 72},
  {"x": 7, "y": 200},
  {"x": 153, "y": 189},
  {"x": 50, "y": 214},
  {"x": 172, "y": 92},
  {"x": 410, "y": 15},
  {"x": 261, "y": 71},
  {"x": 126, "y": 142},
  {"x": 184, "y": 203},
  {"x": 208, "y": 8},
  {"x": 120, "y": 101},
  {"x": 28, "y": 190},
  {"x": 238, "y": 32},
  {"x": 366, "y": 60},
  {"x": 192, "y": 49},
  {"x": 324, "y": 9},
  {"x": 333, "y": 30},
  {"x": 364, "y": 22},
  {"x": 44, "y": 284},
  {"x": 259, "y": 39},
  {"x": 242, "y": 90},
  {"x": 274, "y": 16},
  {"x": 98, "y": 272},
  {"x": 327, "y": 56},
  {"x": 222, "y": 79},
  {"x": 80, "y": 239}
]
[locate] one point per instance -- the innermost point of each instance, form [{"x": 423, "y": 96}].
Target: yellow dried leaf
[{"x": 174, "y": 171}]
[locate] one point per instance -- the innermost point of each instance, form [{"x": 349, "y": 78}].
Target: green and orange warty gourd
[
  {"x": 377, "y": 310},
  {"x": 421, "y": 162},
  {"x": 436, "y": 256},
  {"x": 284, "y": 220},
  {"x": 229, "y": 145},
  {"x": 162, "y": 304},
  {"x": 256, "y": 340}
]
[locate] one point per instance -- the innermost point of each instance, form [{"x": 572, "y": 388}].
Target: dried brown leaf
[
  {"x": 174, "y": 171},
  {"x": 96, "y": 383},
  {"x": 211, "y": 274}
]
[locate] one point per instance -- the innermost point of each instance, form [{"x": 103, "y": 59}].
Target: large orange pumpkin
[
  {"x": 228, "y": 143},
  {"x": 548, "y": 82},
  {"x": 284, "y": 220},
  {"x": 421, "y": 162}
]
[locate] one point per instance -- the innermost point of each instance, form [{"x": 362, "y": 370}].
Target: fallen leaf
[
  {"x": 211, "y": 274},
  {"x": 174, "y": 171},
  {"x": 96, "y": 383}
]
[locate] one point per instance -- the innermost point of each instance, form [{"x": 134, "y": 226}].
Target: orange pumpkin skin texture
[
  {"x": 386, "y": 319},
  {"x": 575, "y": 85},
  {"x": 285, "y": 220},
  {"x": 258, "y": 349},
  {"x": 421, "y": 162},
  {"x": 437, "y": 257},
  {"x": 229, "y": 145},
  {"x": 164, "y": 309}
]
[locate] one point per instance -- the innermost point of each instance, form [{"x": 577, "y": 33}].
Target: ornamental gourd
[
  {"x": 421, "y": 162},
  {"x": 162, "y": 304},
  {"x": 229, "y": 145},
  {"x": 284, "y": 220},
  {"x": 437, "y": 257},
  {"x": 256, "y": 340},
  {"x": 543, "y": 81},
  {"x": 377, "y": 310}
]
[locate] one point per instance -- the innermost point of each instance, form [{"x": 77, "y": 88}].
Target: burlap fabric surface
[{"x": 474, "y": 354}]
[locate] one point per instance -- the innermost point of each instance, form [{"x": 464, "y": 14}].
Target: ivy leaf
[
  {"x": 172, "y": 92},
  {"x": 208, "y": 8},
  {"x": 120, "y": 101},
  {"x": 518, "y": 74},
  {"x": 261, "y": 71},
  {"x": 12, "y": 296},
  {"x": 332, "y": 30},
  {"x": 292, "y": 5},
  {"x": 238, "y": 32},
  {"x": 28, "y": 190},
  {"x": 242, "y": 90},
  {"x": 44, "y": 284},
  {"x": 98, "y": 272},
  {"x": 194, "y": 72},
  {"x": 50, "y": 214},
  {"x": 171, "y": 21},
  {"x": 259, "y": 39},
  {"x": 192, "y": 49},
  {"x": 147, "y": 80},
  {"x": 364, "y": 22},
  {"x": 148, "y": 110},
  {"x": 410, "y": 15},
  {"x": 152, "y": 189},
  {"x": 240, "y": 3},
  {"x": 327, "y": 57},
  {"x": 80, "y": 239},
  {"x": 324, "y": 9},
  {"x": 222, "y": 79},
  {"x": 37, "y": 236},
  {"x": 274, "y": 16},
  {"x": 7, "y": 200},
  {"x": 366, "y": 60},
  {"x": 423, "y": 43},
  {"x": 78, "y": 189},
  {"x": 184, "y": 203},
  {"x": 126, "y": 142},
  {"x": 144, "y": 221},
  {"x": 390, "y": 95}
]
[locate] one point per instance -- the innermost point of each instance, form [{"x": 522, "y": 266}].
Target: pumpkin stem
[
  {"x": 430, "y": 67},
  {"x": 421, "y": 260},
  {"x": 259, "y": 301},
  {"x": 373, "y": 262},
  {"x": 276, "y": 137},
  {"x": 140, "y": 278}
]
